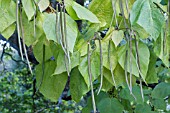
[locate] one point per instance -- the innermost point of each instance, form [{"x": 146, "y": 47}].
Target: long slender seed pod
[
  {"x": 123, "y": 14},
  {"x": 43, "y": 69},
  {"x": 126, "y": 76},
  {"x": 90, "y": 77},
  {"x": 63, "y": 43},
  {"x": 56, "y": 27},
  {"x": 110, "y": 64},
  {"x": 18, "y": 29},
  {"x": 138, "y": 65},
  {"x": 101, "y": 67},
  {"x": 130, "y": 61},
  {"x": 66, "y": 41},
  {"x": 35, "y": 25},
  {"x": 23, "y": 40}
]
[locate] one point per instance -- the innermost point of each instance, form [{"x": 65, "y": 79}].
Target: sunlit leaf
[
  {"x": 148, "y": 16},
  {"x": 7, "y": 15},
  {"x": 29, "y": 8},
  {"x": 43, "y": 4}
]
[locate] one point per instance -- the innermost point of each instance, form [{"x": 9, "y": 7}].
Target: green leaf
[
  {"x": 144, "y": 56},
  {"x": 95, "y": 67},
  {"x": 140, "y": 108},
  {"x": 117, "y": 37},
  {"x": 75, "y": 60},
  {"x": 108, "y": 105},
  {"x": 161, "y": 91},
  {"x": 84, "y": 13},
  {"x": 162, "y": 47},
  {"x": 88, "y": 108},
  {"x": 38, "y": 50},
  {"x": 7, "y": 15},
  {"x": 43, "y": 4},
  {"x": 49, "y": 27},
  {"x": 148, "y": 16},
  {"x": 28, "y": 27},
  {"x": 70, "y": 10},
  {"x": 79, "y": 12},
  {"x": 159, "y": 104},
  {"x": 151, "y": 74},
  {"x": 51, "y": 86},
  {"x": 78, "y": 86},
  {"x": 8, "y": 31},
  {"x": 125, "y": 94},
  {"x": 103, "y": 10},
  {"x": 118, "y": 75},
  {"x": 29, "y": 8}
]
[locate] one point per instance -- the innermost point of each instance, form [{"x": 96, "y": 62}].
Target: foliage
[{"x": 126, "y": 60}]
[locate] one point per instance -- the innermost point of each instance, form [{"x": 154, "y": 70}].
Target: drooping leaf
[
  {"x": 49, "y": 27},
  {"x": 161, "y": 91},
  {"x": 29, "y": 8},
  {"x": 148, "y": 16},
  {"x": 7, "y": 15},
  {"x": 51, "y": 86},
  {"x": 28, "y": 30},
  {"x": 151, "y": 74},
  {"x": 108, "y": 105},
  {"x": 43, "y": 4},
  {"x": 70, "y": 10},
  {"x": 78, "y": 86},
  {"x": 9, "y": 31}
]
